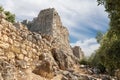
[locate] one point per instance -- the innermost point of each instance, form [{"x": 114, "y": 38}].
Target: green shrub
[
  {"x": 9, "y": 16},
  {"x": 84, "y": 61}
]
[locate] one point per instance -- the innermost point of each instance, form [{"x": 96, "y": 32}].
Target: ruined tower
[{"x": 46, "y": 22}]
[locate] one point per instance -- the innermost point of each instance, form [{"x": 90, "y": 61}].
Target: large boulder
[
  {"x": 62, "y": 59},
  {"x": 46, "y": 66}
]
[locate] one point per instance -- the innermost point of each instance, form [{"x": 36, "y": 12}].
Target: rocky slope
[{"x": 36, "y": 50}]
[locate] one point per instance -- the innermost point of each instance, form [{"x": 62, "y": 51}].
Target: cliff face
[{"x": 43, "y": 49}]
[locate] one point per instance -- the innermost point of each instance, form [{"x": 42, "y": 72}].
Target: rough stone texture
[
  {"x": 43, "y": 22},
  {"x": 60, "y": 58},
  {"x": 48, "y": 23},
  {"x": 41, "y": 50},
  {"x": 7, "y": 71},
  {"x": 17, "y": 49},
  {"x": 78, "y": 52},
  {"x": 46, "y": 66}
]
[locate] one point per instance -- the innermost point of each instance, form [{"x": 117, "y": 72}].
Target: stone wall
[
  {"x": 23, "y": 48},
  {"x": 18, "y": 43},
  {"x": 41, "y": 48}
]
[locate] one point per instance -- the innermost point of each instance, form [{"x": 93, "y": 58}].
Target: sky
[{"x": 83, "y": 18}]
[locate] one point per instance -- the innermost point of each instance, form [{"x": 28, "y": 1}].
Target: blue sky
[{"x": 83, "y": 18}]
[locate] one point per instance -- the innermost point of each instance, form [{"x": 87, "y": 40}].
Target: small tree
[{"x": 10, "y": 17}]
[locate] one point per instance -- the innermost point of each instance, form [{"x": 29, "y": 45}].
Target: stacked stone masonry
[{"x": 41, "y": 48}]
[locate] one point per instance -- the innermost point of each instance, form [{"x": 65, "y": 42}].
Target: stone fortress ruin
[{"x": 35, "y": 49}]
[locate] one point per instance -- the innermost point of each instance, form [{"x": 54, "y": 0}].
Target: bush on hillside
[{"x": 9, "y": 16}]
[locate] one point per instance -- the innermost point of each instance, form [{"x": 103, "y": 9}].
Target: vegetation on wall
[{"x": 9, "y": 16}]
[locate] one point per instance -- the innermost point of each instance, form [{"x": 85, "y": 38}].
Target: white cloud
[{"x": 88, "y": 46}]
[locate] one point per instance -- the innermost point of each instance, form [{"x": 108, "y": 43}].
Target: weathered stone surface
[
  {"x": 43, "y": 22},
  {"x": 18, "y": 25},
  {"x": 37, "y": 36},
  {"x": 5, "y": 37},
  {"x": 7, "y": 71},
  {"x": 4, "y": 45},
  {"x": 45, "y": 68},
  {"x": 30, "y": 37},
  {"x": 10, "y": 41},
  {"x": 15, "y": 49},
  {"x": 41, "y": 50},
  {"x": 64, "y": 78},
  {"x": 10, "y": 55},
  {"x": 1, "y": 52},
  {"x": 60, "y": 58},
  {"x": 78, "y": 52},
  {"x": 20, "y": 56},
  {"x": 24, "y": 51},
  {"x": 21, "y": 63}
]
